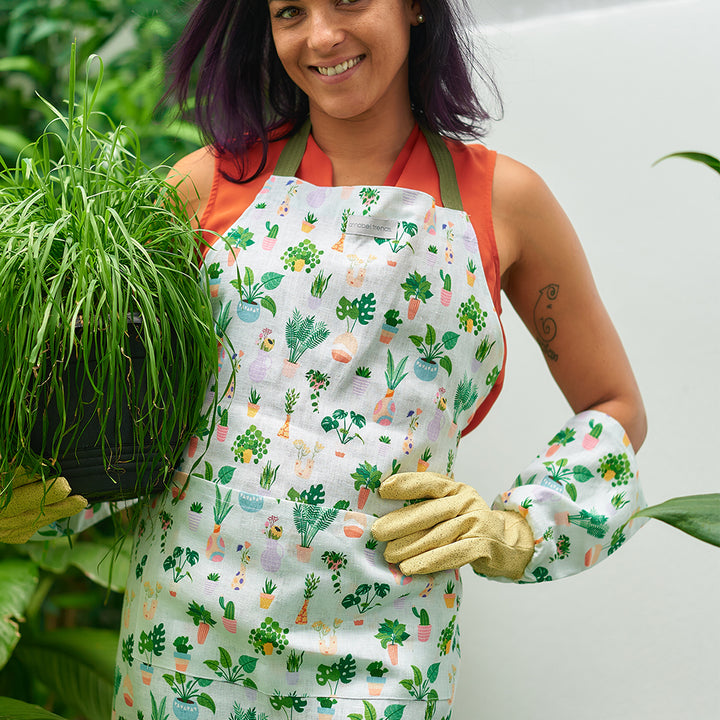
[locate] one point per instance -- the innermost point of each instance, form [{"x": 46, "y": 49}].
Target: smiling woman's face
[{"x": 348, "y": 56}]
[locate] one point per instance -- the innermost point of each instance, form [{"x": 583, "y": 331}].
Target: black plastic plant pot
[{"x": 101, "y": 467}]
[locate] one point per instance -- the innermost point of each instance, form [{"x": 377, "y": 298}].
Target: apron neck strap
[{"x": 292, "y": 154}]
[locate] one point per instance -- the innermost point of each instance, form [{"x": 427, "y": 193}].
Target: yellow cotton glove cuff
[
  {"x": 35, "y": 504},
  {"x": 452, "y": 527}
]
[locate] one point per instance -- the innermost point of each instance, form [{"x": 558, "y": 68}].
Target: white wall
[{"x": 592, "y": 100}]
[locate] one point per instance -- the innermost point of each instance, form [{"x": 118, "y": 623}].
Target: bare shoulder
[
  {"x": 193, "y": 176},
  {"x": 524, "y": 211}
]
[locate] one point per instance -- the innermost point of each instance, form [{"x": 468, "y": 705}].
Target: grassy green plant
[{"x": 91, "y": 244}]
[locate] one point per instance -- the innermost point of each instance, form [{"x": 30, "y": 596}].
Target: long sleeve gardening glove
[
  {"x": 35, "y": 504},
  {"x": 452, "y": 527}
]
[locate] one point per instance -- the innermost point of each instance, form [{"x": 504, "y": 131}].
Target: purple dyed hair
[{"x": 243, "y": 94}]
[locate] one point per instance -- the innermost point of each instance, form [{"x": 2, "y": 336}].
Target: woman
[{"x": 358, "y": 261}]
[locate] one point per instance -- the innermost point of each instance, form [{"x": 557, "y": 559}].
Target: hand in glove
[
  {"x": 35, "y": 504},
  {"x": 451, "y": 528}
]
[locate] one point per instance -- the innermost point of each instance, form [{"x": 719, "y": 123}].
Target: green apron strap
[
  {"x": 292, "y": 154},
  {"x": 449, "y": 190}
]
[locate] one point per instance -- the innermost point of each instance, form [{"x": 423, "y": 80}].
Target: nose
[{"x": 324, "y": 31}]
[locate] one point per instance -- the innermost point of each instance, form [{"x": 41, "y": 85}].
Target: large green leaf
[
  {"x": 18, "y": 580},
  {"x": 697, "y": 515},
  {"x": 709, "y": 160},
  {"x": 11, "y": 709},
  {"x": 77, "y": 664}
]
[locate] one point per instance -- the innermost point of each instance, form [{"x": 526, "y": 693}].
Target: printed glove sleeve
[
  {"x": 578, "y": 496},
  {"x": 451, "y": 526},
  {"x": 35, "y": 504}
]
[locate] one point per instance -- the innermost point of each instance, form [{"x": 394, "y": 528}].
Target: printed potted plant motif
[
  {"x": 335, "y": 562},
  {"x": 432, "y": 255},
  {"x": 397, "y": 244},
  {"x": 272, "y": 555},
  {"x": 231, "y": 672},
  {"x": 361, "y": 380},
  {"x": 291, "y": 188},
  {"x": 390, "y": 326},
  {"x": 188, "y": 695},
  {"x": 301, "y": 335},
  {"x": 471, "y": 317},
  {"x": 291, "y": 398},
  {"x": 559, "y": 475},
  {"x": 303, "y": 467},
  {"x": 392, "y": 635},
  {"x": 290, "y": 702},
  {"x": 466, "y": 395},
  {"x": 182, "y": 652},
  {"x": 446, "y": 637},
  {"x": 253, "y": 405},
  {"x": 449, "y": 238},
  {"x": 481, "y": 353},
  {"x": 319, "y": 381},
  {"x": 446, "y": 292},
  {"x": 149, "y": 645},
  {"x": 344, "y": 432},
  {"x": 222, "y": 426},
  {"x": 424, "y": 628},
  {"x": 363, "y": 599},
  {"x": 303, "y": 256},
  {"x": 268, "y": 594},
  {"x": 593, "y": 523},
  {"x": 312, "y": 581},
  {"x": 325, "y": 707},
  {"x": 268, "y": 475},
  {"x": 340, "y": 244},
  {"x": 308, "y": 223},
  {"x": 317, "y": 289},
  {"x": 384, "y": 444},
  {"x": 355, "y": 275},
  {"x": 213, "y": 272},
  {"x": 360, "y": 310},
  {"x": 367, "y": 479},
  {"x": 215, "y": 548},
  {"x": 424, "y": 461},
  {"x": 211, "y": 584},
  {"x": 261, "y": 364},
  {"x": 194, "y": 515},
  {"x": 433, "y": 430},
  {"x": 309, "y": 520},
  {"x": 228, "y": 620},
  {"x": 429, "y": 220},
  {"x": 202, "y": 430},
  {"x": 561, "y": 439},
  {"x": 392, "y": 712},
  {"x": 202, "y": 619},
  {"x": 151, "y": 599},
  {"x": 417, "y": 290},
  {"x": 238, "y": 580},
  {"x": 251, "y": 446},
  {"x": 328, "y": 636},
  {"x": 432, "y": 353},
  {"x": 269, "y": 637},
  {"x": 409, "y": 440},
  {"x": 615, "y": 468},
  {"x": 375, "y": 679},
  {"x": 342, "y": 671},
  {"x": 593, "y": 435},
  {"x": 420, "y": 689},
  {"x": 252, "y": 292},
  {"x": 470, "y": 272},
  {"x": 369, "y": 197},
  {"x": 384, "y": 412},
  {"x": 292, "y": 666},
  {"x": 449, "y": 595},
  {"x": 238, "y": 239},
  {"x": 270, "y": 239},
  {"x": 370, "y": 549},
  {"x": 178, "y": 561}
]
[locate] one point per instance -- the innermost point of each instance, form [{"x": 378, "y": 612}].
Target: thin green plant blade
[
  {"x": 697, "y": 515},
  {"x": 709, "y": 160},
  {"x": 11, "y": 709},
  {"x": 18, "y": 580},
  {"x": 77, "y": 664}
]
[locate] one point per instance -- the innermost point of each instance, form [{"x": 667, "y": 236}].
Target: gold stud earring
[{"x": 420, "y": 19}]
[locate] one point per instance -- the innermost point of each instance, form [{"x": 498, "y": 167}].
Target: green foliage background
[
  {"x": 59, "y": 622},
  {"x": 131, "y": 36}
]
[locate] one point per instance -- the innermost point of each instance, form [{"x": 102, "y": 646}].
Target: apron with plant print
[{"x": 361, "y": 345}]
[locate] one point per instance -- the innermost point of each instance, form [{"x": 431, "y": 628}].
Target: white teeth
[{"x": 337, "y": 69}]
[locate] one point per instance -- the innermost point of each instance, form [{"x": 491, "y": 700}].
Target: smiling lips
[{"x": 338, "y": 69}]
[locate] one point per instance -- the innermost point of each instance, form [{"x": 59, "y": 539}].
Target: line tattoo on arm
[{"x": 545, "y": 326}]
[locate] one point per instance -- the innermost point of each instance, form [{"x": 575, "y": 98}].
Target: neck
[{"x": 362, "y": 150}]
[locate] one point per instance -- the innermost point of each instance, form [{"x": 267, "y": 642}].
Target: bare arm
[
  {"x": 192, "y": 175},
  {"x": 546, "y": 277}
]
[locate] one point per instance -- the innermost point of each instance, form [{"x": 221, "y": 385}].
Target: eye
[{"x": 287, "y": 13}]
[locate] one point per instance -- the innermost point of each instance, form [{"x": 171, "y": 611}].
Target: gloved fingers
[
  {"x": 16, "y": 537},
  {"x": 416, "y": 486},
  {"x": 36, "y": 519},
  {"x": 31, "y": 497},
  {"x": 417, "y": 543},
  {"x": 448, "y": 557}
]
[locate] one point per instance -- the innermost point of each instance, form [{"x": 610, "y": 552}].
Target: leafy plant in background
[{"x": 132, "y": 36}]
